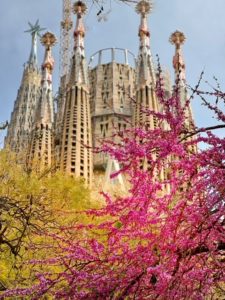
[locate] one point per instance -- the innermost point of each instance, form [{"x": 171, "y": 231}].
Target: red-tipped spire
[
  {"x": 144, "y": 8},
  {"x": 178, "y": 38},
  {"x": 79, "y": 9},
  {"x": 48, "y": 40},
  {"x": 40, "y": 154},
  {"x": 45, "y": 105},
  {"x": 145, "y": 68},
  {"x": 78, "y": 72}
]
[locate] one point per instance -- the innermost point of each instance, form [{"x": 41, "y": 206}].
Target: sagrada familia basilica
[{"x": 93, "y": 101}]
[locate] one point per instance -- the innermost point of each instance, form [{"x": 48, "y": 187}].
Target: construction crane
[{"x": 66, "y": 38}]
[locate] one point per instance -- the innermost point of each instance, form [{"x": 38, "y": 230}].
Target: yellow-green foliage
[{"x": 31, "y": 204}]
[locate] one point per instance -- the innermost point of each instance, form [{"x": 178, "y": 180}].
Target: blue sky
[{"x": 202, "y": 21}]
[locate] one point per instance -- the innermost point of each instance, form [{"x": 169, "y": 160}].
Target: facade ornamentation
[
  {"x": 41, "y": 144},
  {"x": 22, "y": 117}
]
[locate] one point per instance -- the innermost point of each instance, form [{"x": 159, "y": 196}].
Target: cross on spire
[{"x": 35, "y": 32}]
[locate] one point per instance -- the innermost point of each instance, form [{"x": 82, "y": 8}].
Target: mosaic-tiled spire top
[
  {"x": 178, "y": 38},
  {"x": 35, "y": 32},
  {"x": 78, "y": 72},
  {"x": 145, "y": 68},
  {"x": 40, "y": 150},
  {"x": 48, "y": 40},
  {"x": 45, "y": 105},
  {"x": 144, "y": 8},
  {"x": 79, "y": 10}
]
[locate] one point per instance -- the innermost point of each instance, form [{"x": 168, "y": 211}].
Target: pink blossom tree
[{"x": 166, "y": 238}]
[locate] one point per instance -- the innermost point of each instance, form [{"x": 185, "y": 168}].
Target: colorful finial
[
  {"x": 177, "y": 38},
  {"x": 77, "y": 74},
  {"x": 48, "y": 40},
  {"x": 79, "y": 7},
  {"x": 144, "y": 7},
  {"x": 145, "y": 64}
]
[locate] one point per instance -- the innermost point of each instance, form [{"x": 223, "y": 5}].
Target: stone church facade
[{"x": 93, "y": 102}]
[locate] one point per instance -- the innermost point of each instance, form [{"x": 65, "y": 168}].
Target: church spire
[
  {"x": 78, "y": 70},
  {"x": 35, "y": 32},
  {"x": 178, "y": 38},
  {"x": 146, "y": 82},
  {"x": 23, "y": 115},
  {"x": 45, "y": 110},
  {"x": 76, "y": 145},
  {"x": 145, "y": 68},
  {"x": 42, "y": 137},
  {"x": 79, "y": 10}
]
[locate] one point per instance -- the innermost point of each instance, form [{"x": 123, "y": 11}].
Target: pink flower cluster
[{"x": 166, "y": 238}]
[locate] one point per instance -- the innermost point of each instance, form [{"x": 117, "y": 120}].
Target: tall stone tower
[
  {"x": 111, "y": 89},
  {"x": 22, "y": 117},
  {"x": 40, "y": 150},
  {"x": 76, "y": 149},
  {"x": 145, "y": 73},
  {"x": 178, "y": 38},
  {"x": 146, "y": 98}
]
